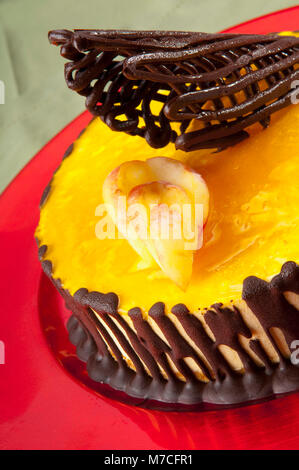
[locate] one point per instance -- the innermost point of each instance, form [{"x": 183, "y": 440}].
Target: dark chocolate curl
[{"x": 226, "y": 82}]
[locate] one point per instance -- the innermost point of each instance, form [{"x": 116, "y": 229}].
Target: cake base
[
  {"x": 100, "y": 348},
  {"x": 233, "y": 390}
]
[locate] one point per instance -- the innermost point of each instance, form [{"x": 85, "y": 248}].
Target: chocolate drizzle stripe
[
  {"x": 121, "y": 73},
  {"x": 227, "y": 325},
  {"x": 197, "y": 333},
  {"x": 89, "y": 322},
  {"x": 194, "y": 138},
  {"x": 180, "y": 349},
  {"x": 122, "y": 340},
  {"x": 141, "y": 350},
  {"x": 133, "y": 65},
  {"x": 257, "y": 348},
  {"x": 107, "y": 338},
  {"x": 237, "y": 109},
  {"x": 155, "y": 345}
]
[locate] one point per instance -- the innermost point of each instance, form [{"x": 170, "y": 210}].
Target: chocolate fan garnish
[{"x": 226, "y": 82}]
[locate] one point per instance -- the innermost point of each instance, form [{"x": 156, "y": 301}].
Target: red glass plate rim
[{"x": 42, "y": 407}]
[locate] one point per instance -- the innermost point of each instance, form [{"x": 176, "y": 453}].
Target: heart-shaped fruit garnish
[{"x": 160, "y": 205}]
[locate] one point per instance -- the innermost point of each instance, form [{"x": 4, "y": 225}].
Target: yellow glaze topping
[{"x": 253, "y": 224}]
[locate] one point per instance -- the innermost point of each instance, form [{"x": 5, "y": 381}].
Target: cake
[{"x": 216, "y": 324}]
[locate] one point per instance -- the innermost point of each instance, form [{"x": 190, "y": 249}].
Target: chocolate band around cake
[{"x": 105, "y": 363}]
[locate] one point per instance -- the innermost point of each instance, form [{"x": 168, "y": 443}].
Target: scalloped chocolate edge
[{"x": 105, "y": 362}]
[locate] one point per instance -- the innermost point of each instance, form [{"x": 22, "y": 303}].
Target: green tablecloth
[{"x": 37, "y": 101}]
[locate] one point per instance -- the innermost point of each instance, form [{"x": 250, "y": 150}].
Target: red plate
[{"x": 46, "y": 398}]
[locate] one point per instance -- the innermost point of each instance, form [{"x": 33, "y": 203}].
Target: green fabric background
[{"x": 37, "y": 101}]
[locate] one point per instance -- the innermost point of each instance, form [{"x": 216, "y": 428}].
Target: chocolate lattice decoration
[{"x": 225, "y": 82}]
